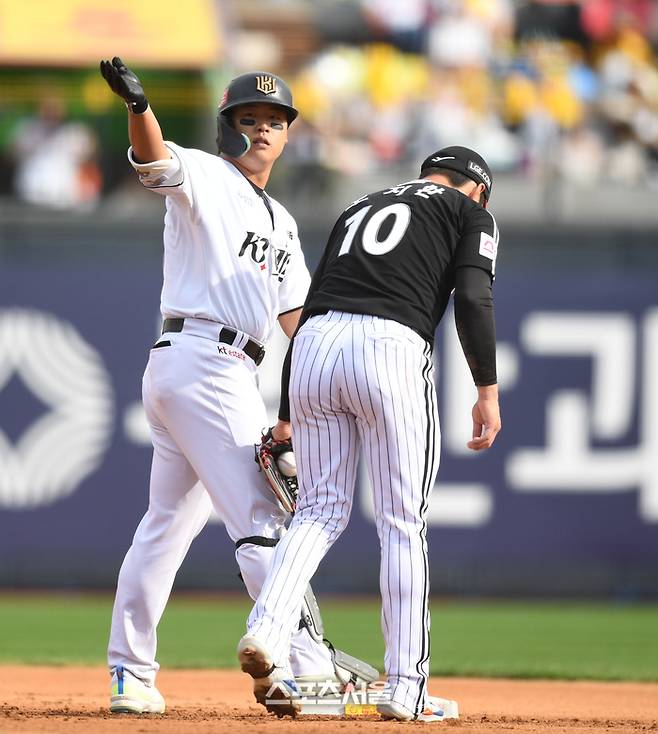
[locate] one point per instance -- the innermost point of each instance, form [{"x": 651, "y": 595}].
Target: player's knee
[
  {"x": 329, "y": 517},
  {"x": 258, "y": 540},
  {"x": 254, "y": 556}
]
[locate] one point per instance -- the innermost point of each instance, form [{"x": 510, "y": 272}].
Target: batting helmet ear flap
[{"x": 229, "y": 141}]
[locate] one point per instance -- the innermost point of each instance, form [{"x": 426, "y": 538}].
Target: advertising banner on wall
[
  {"x": 565, "y": 503},
  {"x": 80, "y": 32}
]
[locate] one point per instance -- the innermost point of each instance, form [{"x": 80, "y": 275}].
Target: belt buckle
[{"x": 260, "y": 354}]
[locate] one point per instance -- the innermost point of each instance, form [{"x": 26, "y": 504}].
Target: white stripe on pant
[{"x": 358, "y": 379}]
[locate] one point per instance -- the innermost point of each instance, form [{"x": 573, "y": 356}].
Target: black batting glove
[
  {"x": 125, "y": 83},
  {"x": 229, "y": 141}
]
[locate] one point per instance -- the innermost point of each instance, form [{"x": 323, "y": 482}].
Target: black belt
[{"x": 226, "y": 336}]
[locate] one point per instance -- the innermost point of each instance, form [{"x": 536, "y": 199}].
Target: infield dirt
[{"x": 75, "y": 699}]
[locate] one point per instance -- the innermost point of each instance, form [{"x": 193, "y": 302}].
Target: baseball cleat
[
  {"x": 274, "y": 687},
  {"x": 131, "y": 695},
  {"x": 436, "y": 709}
]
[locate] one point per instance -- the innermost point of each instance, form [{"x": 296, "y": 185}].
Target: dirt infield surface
[{"x": 74, "y": 699}]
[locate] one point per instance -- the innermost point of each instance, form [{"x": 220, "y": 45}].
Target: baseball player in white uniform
[
  {"x": 233, "y": 265},
  {"x": 361, "y": 374}
]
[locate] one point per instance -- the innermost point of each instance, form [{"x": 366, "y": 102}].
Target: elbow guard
[{"x": 155, "y": 173}]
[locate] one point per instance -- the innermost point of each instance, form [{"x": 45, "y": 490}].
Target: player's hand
[
  {"x": 486, "y": 418},
  {"x": 124, "y": 82},
  {"x": 282, "y": 431},
  {"x": 229, "y": 141},
  {"x": 276, "y": 459}
]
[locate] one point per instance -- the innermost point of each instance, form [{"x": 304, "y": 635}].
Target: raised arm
[{"x": 143, "y": 127}]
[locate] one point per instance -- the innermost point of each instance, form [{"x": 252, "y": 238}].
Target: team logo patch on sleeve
[{"x": 488, "y": 246}]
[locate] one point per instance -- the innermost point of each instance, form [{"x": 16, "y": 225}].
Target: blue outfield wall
[{"x": 565, "y": 503}]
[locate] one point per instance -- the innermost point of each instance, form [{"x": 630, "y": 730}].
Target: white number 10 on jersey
[{"x": 370, "y": 240}]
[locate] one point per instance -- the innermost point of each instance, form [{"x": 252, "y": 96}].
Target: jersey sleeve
[
  {"x": 295, "y": 284},
  {"x": 475, "y": 321},
  {"x": 172, "y": 177},
  {"x": 478, "y": 244}
]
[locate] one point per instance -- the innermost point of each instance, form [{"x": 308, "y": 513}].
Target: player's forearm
[
  {"x": 474, "y": 317},
  {"x": 284, "y": 400},
  {"x": 146, "y": 137},
  {"x": 143, "y": 128},
  {"x": 289, "y": 322}
]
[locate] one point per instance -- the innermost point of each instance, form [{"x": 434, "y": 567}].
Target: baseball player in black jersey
[{"x": 359, "y": 373}]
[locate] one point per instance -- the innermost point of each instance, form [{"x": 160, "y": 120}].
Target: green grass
[{"x": 511, "y": 639}]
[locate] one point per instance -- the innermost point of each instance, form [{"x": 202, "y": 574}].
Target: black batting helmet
[{"x": 258, "y": 86}]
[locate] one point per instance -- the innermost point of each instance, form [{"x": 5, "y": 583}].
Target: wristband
[{"x": 138, "y": 108}]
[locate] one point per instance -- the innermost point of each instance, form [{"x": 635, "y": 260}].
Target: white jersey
[
  {"x": 231, "y": 256},
  {"x": 228, "y": 256}
]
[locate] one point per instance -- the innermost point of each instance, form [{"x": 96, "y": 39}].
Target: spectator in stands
[
  {"x": 56, "y": 160},
  {"x": 554, "y": 19},
  {"x": 403, "y": 24},
  {"x": 520, "y": 80}
]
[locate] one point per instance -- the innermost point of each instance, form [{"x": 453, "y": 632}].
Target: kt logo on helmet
[{"x": 266, "y": 84}]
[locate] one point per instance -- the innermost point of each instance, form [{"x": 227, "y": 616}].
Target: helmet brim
[{"x": 291, "y": 112}]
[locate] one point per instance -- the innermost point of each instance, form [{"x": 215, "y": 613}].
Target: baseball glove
[{"x": 278, "y": 465}]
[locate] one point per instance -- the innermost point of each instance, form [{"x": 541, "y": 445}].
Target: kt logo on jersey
[{"x": 257, "y": 247}]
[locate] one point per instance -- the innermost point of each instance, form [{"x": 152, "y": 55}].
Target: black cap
[
  {"x": 463, "y": 160},
  {"x": 258, "y": 86}
]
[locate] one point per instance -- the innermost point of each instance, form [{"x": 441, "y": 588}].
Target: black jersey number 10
[{"x": 370, "y": 236}]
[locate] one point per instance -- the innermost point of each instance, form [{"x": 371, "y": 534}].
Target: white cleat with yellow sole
[{"x": 131, "y": 695}]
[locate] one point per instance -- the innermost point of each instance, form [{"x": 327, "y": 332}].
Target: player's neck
[{"x": 258, "y": 178}]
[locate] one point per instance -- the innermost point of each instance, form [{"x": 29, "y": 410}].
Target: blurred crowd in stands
[
  {"x": 548, "y": 87},
  {"x": 56, "y": 159},
  {"x": 542, "y": 88}
]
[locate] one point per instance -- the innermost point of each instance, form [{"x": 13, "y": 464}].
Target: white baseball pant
[{"x": 205, "y": 414}]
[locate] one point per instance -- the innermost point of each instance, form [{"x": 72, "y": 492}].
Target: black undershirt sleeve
[
  {"x": 284, "y": 400},
  {"x": 474, "y": 317}
]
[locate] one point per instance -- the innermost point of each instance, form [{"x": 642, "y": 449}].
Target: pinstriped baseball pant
[{"x": 357, "y": 381}]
